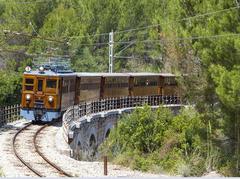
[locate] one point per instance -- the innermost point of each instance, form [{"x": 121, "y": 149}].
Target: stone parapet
[{"x": 86, "y": 133}]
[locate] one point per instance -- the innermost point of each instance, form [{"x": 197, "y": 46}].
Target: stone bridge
[{"x": 87, "y": 125}]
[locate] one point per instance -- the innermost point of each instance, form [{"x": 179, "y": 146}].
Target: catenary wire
[
  {"x": 183, "y": 19},
  {"x": 128, "y": 30},
  {"x": 156, "y": 25},
  {"x": 25, "y": 2}
]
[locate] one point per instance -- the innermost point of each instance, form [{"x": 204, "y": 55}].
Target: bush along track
[{"x": 157, "y": 141}]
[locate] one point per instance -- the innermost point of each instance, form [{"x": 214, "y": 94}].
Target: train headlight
[
  {"x": 41, "y": 69},
  {"x": 28, "y": 69},
  {"x": 28, "y": 97},
  {"x": 50, "y": 99}
]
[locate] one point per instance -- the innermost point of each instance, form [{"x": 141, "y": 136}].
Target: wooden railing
[{"x": 9, "y": 114}]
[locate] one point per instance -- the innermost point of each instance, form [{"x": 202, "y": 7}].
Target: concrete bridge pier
[{"x": 89, "y": 135}]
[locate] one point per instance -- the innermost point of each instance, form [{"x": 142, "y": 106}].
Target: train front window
[
  {"x": 51, "y": 83},
  {"x": 29, "y": 83},
  {"x": 28, "y": 88},
  {"x": 40, "y": 85}
]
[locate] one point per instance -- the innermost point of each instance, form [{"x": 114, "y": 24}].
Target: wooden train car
[
  {"x": 47, "y": 94},
  {"x": 110, "y": 85}
]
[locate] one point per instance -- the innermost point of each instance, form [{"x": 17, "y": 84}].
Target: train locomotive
[{"x": 47, "y": 93}]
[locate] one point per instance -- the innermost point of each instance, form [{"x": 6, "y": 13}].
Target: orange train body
[{"x": 47, "y": 94}]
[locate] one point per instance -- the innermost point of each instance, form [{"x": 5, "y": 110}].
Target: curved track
[
  {"x": 41, "y": 159},
  {"x": 41, "y": 154}
]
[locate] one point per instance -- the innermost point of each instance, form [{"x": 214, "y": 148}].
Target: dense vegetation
[
  {"x": 205, "y": 47},
  {"x": 160, "y": 142}
]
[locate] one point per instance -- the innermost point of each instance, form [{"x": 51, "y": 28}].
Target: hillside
[{"x": 195, "y": 38}]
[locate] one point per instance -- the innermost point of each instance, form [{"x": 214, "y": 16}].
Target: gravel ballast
[
  {"x": 51, "y": 144},
  {"x": 79, "y": 168},
  {"x": 49, "y": 141}
]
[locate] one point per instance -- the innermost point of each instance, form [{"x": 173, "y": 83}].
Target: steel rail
[
  {"x": 18, "y": 156},
  {"x": 44, "y": 157}
]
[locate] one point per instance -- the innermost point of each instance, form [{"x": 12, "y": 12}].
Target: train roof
[
  {"x": 85, "y": 74},
  {"x": 151, "y": 74},
  {"x": 49, "y": 73},
  {"x": 94, "y": 74},
  {"x": 102, "y": 74}
]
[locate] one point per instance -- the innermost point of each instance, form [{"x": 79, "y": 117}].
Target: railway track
[{"x": 27, "y": 150}]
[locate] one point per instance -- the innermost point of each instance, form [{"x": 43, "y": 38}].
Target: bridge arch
[
  {"x": 92, "y": 148},
  {"x": 92, "y": 141},
  {"x": 107, "y": 133},
  {"x": 79, "y": 144},
  {"x": 91, "y": 135},
  {"x": 108, "y": 129}
]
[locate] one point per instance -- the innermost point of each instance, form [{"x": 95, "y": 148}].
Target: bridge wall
[{"x": 89, "y": 131}]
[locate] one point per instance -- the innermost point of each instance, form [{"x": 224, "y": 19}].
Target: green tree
[
  {"x": 149, "y": 139},
  {"x": 10, "y": 87},
  {"x": 86, "y": 62},
  {"x": 228, "y": 91}
]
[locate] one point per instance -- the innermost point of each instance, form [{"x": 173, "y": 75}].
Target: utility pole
[{"x": 111, "y": 56}]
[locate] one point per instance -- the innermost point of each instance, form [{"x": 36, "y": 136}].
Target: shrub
[{"x": 156, "y": 140}]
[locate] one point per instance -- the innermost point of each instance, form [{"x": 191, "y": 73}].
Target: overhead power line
[
  {"x": 25, "y": 2},
  {"x": 23, "y": 52},
  {"x": 130, "y": 30},
  {"x": 184, "y": 38},
  {"x": 167, "y": 39},
  {"x": 183, "y": 19},
  {"x": 95, "y": 44},
  {"x": 157, "y": 25},
  {"x": 32, "y": 36},
  {"x": 131, "y": 42},
  {"x": 90, "y": 35},
  {"x": 144, "y": 41},
  {"x": 144, "y": 27}
]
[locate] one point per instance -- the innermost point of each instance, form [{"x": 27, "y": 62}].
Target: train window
[
  {"x": 89, "y": 86},
  {"x": 123, "y": 85},
  {"x": 65, "y": 86},
  {"x": 152, "y": 83},
  {"x": 72, "y": 86},
  {"x": 28, "y": 88},
  {"x": 145, "y": 82},
  {"x": 40, "y": 85},
  {"x": 64, "y": 89},
  {"x": 29, "y": 84},
  {"x": 29, "y": 81},
  {"x": 170, "y": 81},
  {"x": 51, "y": 83},
  {"x": 116, "y": 85}
]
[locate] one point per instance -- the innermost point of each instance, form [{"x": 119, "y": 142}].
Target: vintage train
[{"x": 47, "y": 93}]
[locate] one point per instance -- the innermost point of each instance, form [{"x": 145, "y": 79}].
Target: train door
[
  {"x": 39, "y": 98},
  {"x": 40, "y": 86},
  {"x": 161, "y": 85},
  {"x": 131, "y": 86}
]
